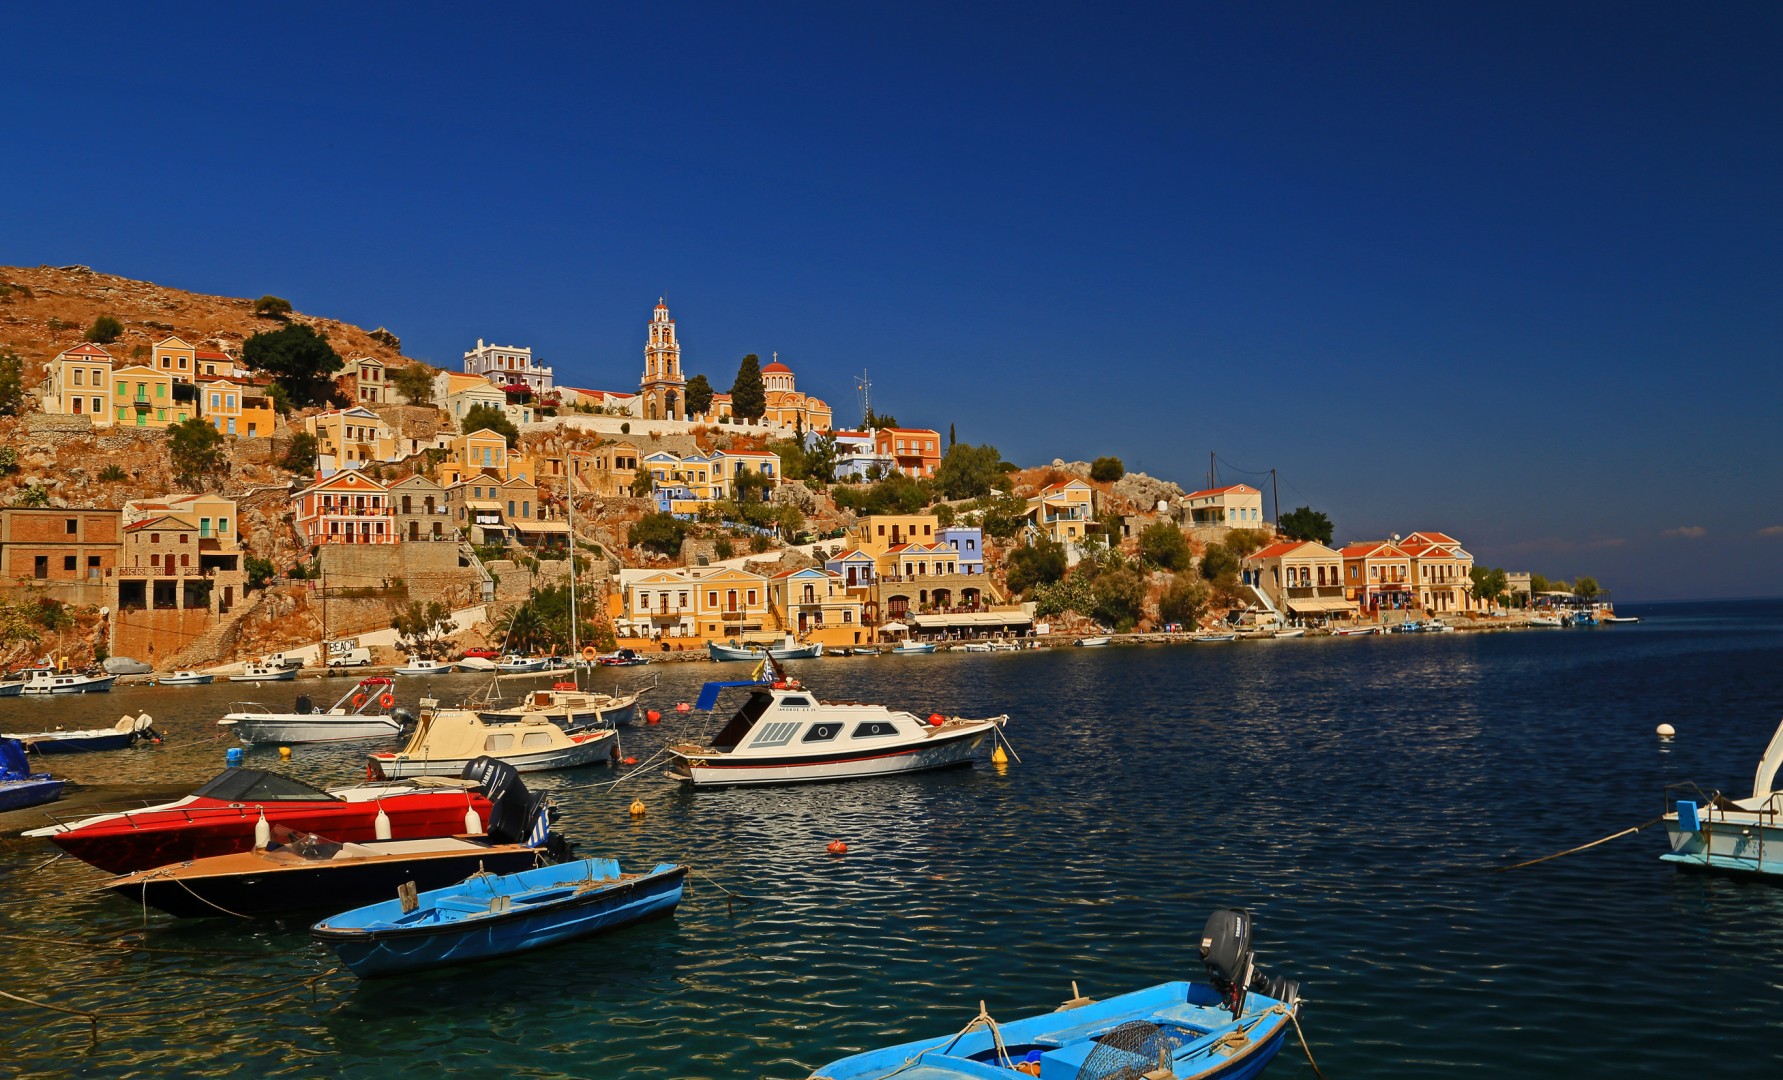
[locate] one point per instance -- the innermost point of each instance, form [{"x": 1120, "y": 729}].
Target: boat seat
[{"x": 465, "y": 904}]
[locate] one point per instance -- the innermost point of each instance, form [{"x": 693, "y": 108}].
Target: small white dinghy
[{"x": 187, "y": 678}]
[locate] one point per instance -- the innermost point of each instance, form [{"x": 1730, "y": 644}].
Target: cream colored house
[
  {"x": 371, "y": 381},
  {"x": 176, "y": 358},
  {"x": 707, "y": 603},
  {"x": 78, "y": 383},
  {"x": 1301, "y": 578},
  {"x": 1064, "y": 511},
  {"x": 1235, "y": 506},
  {"x": 1441, "y": 571},
  {"x": 350, "y": 438},
  {"x": 143, "y": 396}
]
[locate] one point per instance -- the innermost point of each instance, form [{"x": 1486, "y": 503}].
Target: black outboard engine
[
  {"x": 304, "y": 706},
  {"x": 402, "y": 716},
  {"x": 1226, "y": 950}
]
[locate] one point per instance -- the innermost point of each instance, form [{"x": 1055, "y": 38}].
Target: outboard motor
[
  {"x": 1226, "y": 950},
  {"x": 304, "y": 707},
  {"x": 402, "y": 716}
]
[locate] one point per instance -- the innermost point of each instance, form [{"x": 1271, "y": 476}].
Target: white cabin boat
[
  {"x": 571, "y": 709},
  {"x": 515, "y": 664},
  {"x": 187, "y": 678},
  {"x": 364, "y": 712},
  {"x": 789, "y": 649},
  {"x": 264, "y": 671},
  {"x": 912, "y": 647},
  {"x": 418, "y": 665},
  {"x": 783, "y": 734},
  {"x": 1741, "y": 836},
  {"x": 49, "y": 680},
  {"x": 1092, "y": 642},
  {"x": 446, "y": 740}
]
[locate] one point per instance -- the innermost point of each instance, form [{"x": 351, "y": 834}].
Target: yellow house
[
  {"x": 175, "y": 358},
  {"x": 79, "y": 384},
  {"x": 143, "y": 396},
  {"x": 876, "y": 533},
  {"x": 467, "y": 455},
  {"x": 215, "y": 517},
  {"x": 1064, "y": 511},
  {"x": 1441, "y": 570},
  {"x": 235, "y": 407},
  {"x": 704, "y": 603},
  {"x": 348, "y": 438},
  {"x": 814, "y": 605}
]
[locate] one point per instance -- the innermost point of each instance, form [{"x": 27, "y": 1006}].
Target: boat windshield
[
  {"x": 256, "y": 786},
  {"x": 304, "y": 845},
  {"x": 744, "y": 719}
]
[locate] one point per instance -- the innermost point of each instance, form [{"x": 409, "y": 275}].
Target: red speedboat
[{"x": 220, "y": 818}]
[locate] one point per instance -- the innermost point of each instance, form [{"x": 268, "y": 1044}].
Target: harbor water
[{"x": 1358, "y": 794}]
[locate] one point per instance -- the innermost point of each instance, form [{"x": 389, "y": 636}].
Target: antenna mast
[{"x": 864, "y": 390}]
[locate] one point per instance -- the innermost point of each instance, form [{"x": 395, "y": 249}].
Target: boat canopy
[
  {"x": 258, "y": 786},
  {"x": 708, "y": 698}
]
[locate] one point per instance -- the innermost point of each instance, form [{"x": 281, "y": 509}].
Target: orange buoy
[
  {"x": 936, "y": 719},
  {"x": 563, "y": 686},
  {"x": 837, "y": 847},
  {"x": 637, "y": 808},
  {"x": 652, "y": 716},
  {"x": 630, "y": 761},
  {"x": 683, "y": 707}
]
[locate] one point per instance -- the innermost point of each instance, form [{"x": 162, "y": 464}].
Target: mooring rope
[
  {"x": 1581, "y": 847},
  {"x": 107, "y": 946},
  {"x": 92, "y": 1017},
  {"x": 1294, "y": 1015},
  {"x": 636, "y": 769}
]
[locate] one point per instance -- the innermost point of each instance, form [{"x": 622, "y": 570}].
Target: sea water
[{"x": 1358, "y": 794}]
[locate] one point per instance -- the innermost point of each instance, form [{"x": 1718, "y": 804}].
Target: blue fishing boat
[
  {"x": 1229, "y": 1029},
  {"x": 19, "y": 786},
  {"x": 491, "y": 915},
  {"x": 125, "y": 733}
]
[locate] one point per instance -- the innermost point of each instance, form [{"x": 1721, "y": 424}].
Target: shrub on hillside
[
  {"x": 1107, "y": 469},
  {"x": 105, "y": 330},
  {"x": 272, "y": 307}
]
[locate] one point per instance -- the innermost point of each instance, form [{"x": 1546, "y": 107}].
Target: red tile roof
[
  {"x": 776, "y": 368},
  {"x": 1371, "y": 548},
  {"x": 1277, "y": 550},
  {"x": 1246, "y": 488}
]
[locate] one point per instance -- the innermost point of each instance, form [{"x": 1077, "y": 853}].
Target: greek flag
[{"x": 541, "y": 829}]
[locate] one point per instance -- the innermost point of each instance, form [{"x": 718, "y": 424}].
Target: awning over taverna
[
  {"x": 971, "y": 619},
  {"x": 1313, "y": 605}
]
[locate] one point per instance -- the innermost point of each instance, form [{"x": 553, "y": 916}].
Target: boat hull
[
  {"x": 590, "y": 748},
  {"x": 276, "y": 889},
  {"x": 82, "y": 685},
  {"x": 75, "y": 742},
  {"x": 313, "y": 728},
  {"x": 187, "y": 680},
  {"x": 778, "y": 652},
  {"x": 921, "y": 649},
  {"x": 278, "y": 675},
  {"x": 24, "y": 794},
  {"x": 1731, "y": 843},
  {"x": 729, "y": 770},
  {"x": 546, "y": 905}
]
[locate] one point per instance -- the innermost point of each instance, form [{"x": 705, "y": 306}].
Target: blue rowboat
[
  {"x": 1229, "y": 1030},
  {"x": 491, "y": 915},
  {"x": 19, "y": 786}
]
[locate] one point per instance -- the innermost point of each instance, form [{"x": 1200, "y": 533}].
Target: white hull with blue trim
[{"x": 1742, "y": 836}]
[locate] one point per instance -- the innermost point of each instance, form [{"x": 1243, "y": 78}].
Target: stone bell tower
[{"x": 663, "y": 389}]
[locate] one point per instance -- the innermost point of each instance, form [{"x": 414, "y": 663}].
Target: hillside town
[{"x": 189, "y": 497}]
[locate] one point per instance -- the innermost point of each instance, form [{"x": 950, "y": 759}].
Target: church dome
[{"x": 776, "y": 368}]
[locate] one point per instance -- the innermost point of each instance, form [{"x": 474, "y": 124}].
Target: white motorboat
[
  {"x": 475, "y": 663},
  {"x": 49, "y": 680},
  {"x": 1291, "y": 632},
  {"x": 1738, "y": 835},
  {"x": 972, "y": 646},
  {"x": 912, "y": 647},
  {"x": 789, "y": 649},
  {"x": 782, "y": 734},
  {"x": 419, "y": 665},
  {"x": 569, "y": 708},
  {"x": 1354, "y": 631},
  {"x": 1546, "y": 621},
  {"x": 1620, "y": 618},
  {"x": 1092, "y": 642},
  {"x": 446, "y": 740},
  {"x": 264, "y": 671},
  {"x": 366, "y": 711},
  {"x": 1003, "y": 646},
  {"x": 515, "y": 664},
  {"x": 187, "y": 678}
]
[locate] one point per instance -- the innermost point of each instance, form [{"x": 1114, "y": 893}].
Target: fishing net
[{"x": 1129, "y": 1052}]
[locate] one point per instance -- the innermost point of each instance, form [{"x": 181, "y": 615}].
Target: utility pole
[
  {"x": 1276, "y": 487},
  {"x": 1212, "y": 476}
]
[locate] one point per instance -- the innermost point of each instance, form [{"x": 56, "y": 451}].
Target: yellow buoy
[
  {"x": 284, "y": 753},
  {"x": 637, "y": 808},
  {"x": 1666, "y": 731},
  {"x": 998, "y": 757}
]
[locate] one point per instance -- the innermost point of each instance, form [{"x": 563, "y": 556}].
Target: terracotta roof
[
  {"x": 776, "y": 368},
  {"x": 914, "y": 431},
  {"x": 1246, "y": 488},
  {"x": 1435, "y": 537},
  {"x": 212, "y": 354},
  {"x": 1363, "y": 550},
  {"x": 1275, "y": 550},
  {"x": 87, "y": 349}
]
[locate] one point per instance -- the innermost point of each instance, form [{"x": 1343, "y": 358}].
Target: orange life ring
[
  {"x": 588, "y": 652},
  {"x": 370, "y": 773},
  {"x": 358, "y": 700},
  {"x": 387, "y": 700},
  {"x": 563, "y": 686}
]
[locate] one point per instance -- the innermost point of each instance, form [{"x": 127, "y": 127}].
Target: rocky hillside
[{"x": 46, "y": 309}]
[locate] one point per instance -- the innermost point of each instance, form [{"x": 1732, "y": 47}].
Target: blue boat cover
[
  {"x": 709, "y": 692},
  {"x": 13, "y": 765}
]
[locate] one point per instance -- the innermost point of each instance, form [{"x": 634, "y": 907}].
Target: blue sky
[{"x": 1509, "y": 271}]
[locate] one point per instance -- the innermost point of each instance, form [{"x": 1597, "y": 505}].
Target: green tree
[
  {"x": 661, "y": 533},
  {"x": 1119, "y": 598},
  {"x": 113, "y": 474},
  {"x": 105, "y": 330},
  {"x": 1538, "y": 584},
  {"x": 697, "y": 395},
  {"x": 415, "y": 383},
  {"x": 259, "y": 571},
  {"x": 791, "y": 453},
  {"x": 272, "y": 307},
  {"x": 1306, "y": 523},
  {"x": 196, "y": 448},
  {"x": 1219, "y": 565},
  {"x": 300, "y": 456},
  {"x": 896, "y": 494},
  {"x": 1184, "y": 601},
  {"x": 1488, "y": 584},
  {"x": 34, "y": 495},
  {"x": 423, "y": 627},
  {"x": 1586, "y": 589},
  {"x": 480, "y": 417},
  {"x": 522, "y": 629},
  {"x": 968, "y": 472},
  {"x": 9, "y": 461},
  {"x": 751, "y": 486},
  {"x": 820, "y": 459},
  {"x": 749, "y": 400},
  {"x": 1107, "y": 469},
  {"x": 12, "y": 385},
  {"x": 300, "y": 361},
  {"x": 1242, "y": 542},
  {"x": 642, "y": 484},
  {"x": 1038, "y": 564},
  {"x": 1163, "y": 545}
]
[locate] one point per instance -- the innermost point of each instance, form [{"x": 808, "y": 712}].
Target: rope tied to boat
[
  {"x": 92, "y": 1017},
  {"x": 1581, "y": 847},
  {"x": 1294, "y": 1015}
]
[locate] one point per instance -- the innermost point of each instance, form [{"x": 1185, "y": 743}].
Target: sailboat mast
[{"x": 569, "y": 497}]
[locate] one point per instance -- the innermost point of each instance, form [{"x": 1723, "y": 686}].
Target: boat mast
[{"x": 569, "y": 497}]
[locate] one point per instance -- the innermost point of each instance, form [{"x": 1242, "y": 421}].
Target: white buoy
[
  {"x": 262, "y": 832},
  {"x": 1666, "y": 731},
  {"x": 380, "y": 826},
  {"x": 473, "y": 825}
]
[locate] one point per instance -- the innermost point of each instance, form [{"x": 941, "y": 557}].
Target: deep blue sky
[{"x": 1510, "y": 271}]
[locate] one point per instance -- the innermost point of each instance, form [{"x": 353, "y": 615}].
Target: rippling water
[{"x": 1354, "y": 792}]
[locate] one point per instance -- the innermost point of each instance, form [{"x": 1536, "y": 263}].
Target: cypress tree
[{"x": 749, "y": 401}]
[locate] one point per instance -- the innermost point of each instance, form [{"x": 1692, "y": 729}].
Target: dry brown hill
[{"x": 45, "y": 309}]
